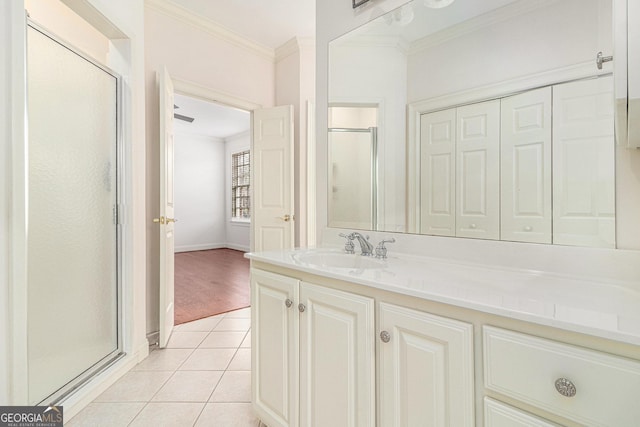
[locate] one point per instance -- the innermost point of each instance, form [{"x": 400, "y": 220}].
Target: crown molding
[
  {"x": 179, "y": 13},
  {"x": 294, "y": 45},
  {"x": 475, "y": 24}
]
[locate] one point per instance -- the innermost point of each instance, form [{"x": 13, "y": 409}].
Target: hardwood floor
[{"x": 209, "y": 283}]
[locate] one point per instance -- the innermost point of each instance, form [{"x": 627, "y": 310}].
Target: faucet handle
[
  {"x": 381, "y": 250},
  {"x": 348, "y": 246}
]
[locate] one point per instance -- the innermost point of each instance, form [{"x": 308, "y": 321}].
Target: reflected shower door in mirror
[
  {"x": 353, "y": 154},
  {"x": 495, "y": 118}
]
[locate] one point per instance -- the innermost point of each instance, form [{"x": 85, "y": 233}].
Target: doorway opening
[{"x": 212, "y": 165}]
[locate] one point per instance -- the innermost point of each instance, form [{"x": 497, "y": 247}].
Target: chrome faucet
[{"x": 365, "y": 246}]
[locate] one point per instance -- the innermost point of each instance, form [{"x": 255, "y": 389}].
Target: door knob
[
  {"x": 159, "y": 220},
  {"x": 171, "y": 220},
  {"x": 286, "y": 218}
]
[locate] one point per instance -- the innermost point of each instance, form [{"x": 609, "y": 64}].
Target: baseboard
[
  {"x": 190, "y": 248},
  {"x": 203, "y": 247},
  {"x": 241, "y": 248},
  {"x": 97, "y": 385}
]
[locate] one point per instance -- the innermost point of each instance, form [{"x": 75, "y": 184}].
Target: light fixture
[
  {"x": 437, "y": 4},
  {"x": 400, "y": 17}
]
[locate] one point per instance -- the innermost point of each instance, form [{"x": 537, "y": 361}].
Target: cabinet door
[
  {"x": 438, "y": 173},
  {"x": 426, "y": 369},
  {"x": 526, "y": 167},
  {"x": 274, "y": 345},
  {"x": 478, "y": 171},
  {"x": 337, "y": 386},
  {"x": 584, "y": 163}
]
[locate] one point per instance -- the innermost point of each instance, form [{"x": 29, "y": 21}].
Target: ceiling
[
  {"x": 211, "y": 119},
  {"x": 269, "y": 23}
]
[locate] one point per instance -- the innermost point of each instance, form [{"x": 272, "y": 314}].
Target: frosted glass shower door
[
  {"x": 72, "y": 310},
  {"x": 352, "y": 178}
]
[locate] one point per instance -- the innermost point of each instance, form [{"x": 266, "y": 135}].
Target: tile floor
[{"x": 202, "y": 378}]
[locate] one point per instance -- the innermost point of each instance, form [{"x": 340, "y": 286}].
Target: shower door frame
[{"x": 120, "y": 174}]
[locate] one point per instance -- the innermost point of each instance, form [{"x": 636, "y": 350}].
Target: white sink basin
[{"x": 338, "y": 260}]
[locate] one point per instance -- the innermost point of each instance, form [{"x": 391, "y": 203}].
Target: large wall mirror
[{"x": 487, "y": 119}]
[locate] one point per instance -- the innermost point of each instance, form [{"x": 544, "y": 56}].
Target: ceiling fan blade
[{"x": 185, "y": 118}]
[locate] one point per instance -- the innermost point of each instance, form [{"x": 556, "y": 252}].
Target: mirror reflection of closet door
[
  {"x": 72, "y": 306},
  {"x": 478, "y": 171},
  {"x": 438, "y": 173},
  {"x": 584, "y": 163},
  {"x": 525, "y": 163}
]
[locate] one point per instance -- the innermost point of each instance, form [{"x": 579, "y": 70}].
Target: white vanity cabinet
[
  {"x": 313, "y": 348},
  {"x": 585, "y": 386},
  {"x": 425, "y": 369}
]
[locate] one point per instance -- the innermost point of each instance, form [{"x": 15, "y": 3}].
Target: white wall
[
  {"x": 124, "y": 26},
  {"x": 199, "y": 189},
  {"x": 195, "y": 52},
  {"x": 558, "y": 35},
  {"x": 295, "y": 85},
  {"x": 237, "y": 232},
  {"x": 383, "y": 67}
]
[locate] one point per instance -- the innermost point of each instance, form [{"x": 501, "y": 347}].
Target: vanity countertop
[{"x": 599, "y": 307}]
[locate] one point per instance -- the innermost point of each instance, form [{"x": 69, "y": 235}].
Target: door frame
[{"x": 194, "y": 90}]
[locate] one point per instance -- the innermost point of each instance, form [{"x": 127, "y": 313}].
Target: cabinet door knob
[
  {"x": 565, "y": 387},
  {"x": 301, "y": 307},
  {"x": 385, "y": 336},
  {"x": 288, "y": 303}
]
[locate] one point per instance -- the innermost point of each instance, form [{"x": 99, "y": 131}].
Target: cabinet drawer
[
  {"x": 498, "y": 414},
  {"x": 527, "y": 368}
]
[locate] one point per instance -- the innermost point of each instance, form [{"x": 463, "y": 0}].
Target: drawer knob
[
  {"x": 301, "y": 308},
  {"x": 565, "y": 387},
  {"x": 288, "y": 302},
  {"x": 385, "y": 336}
]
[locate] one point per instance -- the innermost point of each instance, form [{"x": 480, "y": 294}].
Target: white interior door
[
  {"x": 272, "y": 179},
  {"x": 166, "y": 220},
  {"x": 525, "y": 145},
  {"x": 478, "y": 171},
  {"x": 438, "y": 173},
  {"x": 584, "y": 163}
]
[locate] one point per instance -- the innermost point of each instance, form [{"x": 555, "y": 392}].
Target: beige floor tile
[
  {"x": 209, "y": 359},
  {"x": 188, "y": 386},
  {"x": 165, "y": 359},
  {"x": 135, "y": 386},
  {"x": 223, "y": 339},
  {"x": 243, "y": 313},
  {"x": 106, "y": 415},
  {"x": 203, "y": 325},
  {"x": 235, "y": 386},
  {"x": 246, "y": 343},
  {"x": 231, "y": 324},
  {"x": 227, "y": 415},
  {"x": 168, "y": 415},
  {"x": 241, "y": 361},
  {"x": 186, "y": 339}
]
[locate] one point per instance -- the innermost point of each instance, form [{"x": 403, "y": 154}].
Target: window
[{"x": 240, "y": 172}]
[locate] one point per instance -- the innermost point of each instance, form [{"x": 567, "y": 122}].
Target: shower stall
[{"x": 74, "y": 242}]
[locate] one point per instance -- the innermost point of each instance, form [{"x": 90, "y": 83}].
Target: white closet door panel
[
  {"x": 437, "y": 172},
  {"x": 526, "y": 167},
  {"x": 478, "y": 170},
  {"x": 584, "y": 163}
]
